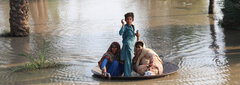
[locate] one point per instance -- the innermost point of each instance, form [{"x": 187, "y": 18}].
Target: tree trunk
[
  {"x": 211, "y": 7},
  {"x": 19, "y": 18}
]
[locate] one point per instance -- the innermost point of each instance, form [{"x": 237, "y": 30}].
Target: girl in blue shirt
[{"x": 128, "y": 35}]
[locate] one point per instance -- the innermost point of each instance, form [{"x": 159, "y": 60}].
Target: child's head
[
  {"x": 139, "y": 45},
  {"x": 129, "y": 18}
]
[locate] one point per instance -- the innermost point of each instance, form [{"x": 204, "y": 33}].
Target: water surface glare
[{"x": 80, "y": 31}]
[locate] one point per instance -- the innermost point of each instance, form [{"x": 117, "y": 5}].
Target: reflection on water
[
  {"x": 4, "y": 15},
  {"x": 38, "y": 10},
  {"x": 232, "y": 53},
  {"x": 81, "y": 30}
]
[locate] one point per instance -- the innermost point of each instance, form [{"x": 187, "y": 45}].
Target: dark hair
[
  {"x": 139, "y": 43},
  {"x": 118, "y": 47},
  {"x": 129, "y": 14}
]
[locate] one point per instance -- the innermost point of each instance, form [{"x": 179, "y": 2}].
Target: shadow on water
[
  {"x": 232, "y": 40},
  {"x": 219, "y": 57},
  {"x": 11, "y": 47},
  {"x": 19, "y": 45}
]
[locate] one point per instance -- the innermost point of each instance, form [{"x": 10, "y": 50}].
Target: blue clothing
[
  {"x": 115, "y": 68},
  {"x": 128, "y": 41},
  {"x": 104, "y": 63}
]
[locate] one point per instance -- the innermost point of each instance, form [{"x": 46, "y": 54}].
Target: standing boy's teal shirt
[{"x": 128, "y": 41}]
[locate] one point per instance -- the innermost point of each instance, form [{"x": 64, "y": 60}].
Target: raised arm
[
  {"x": 138, "y": 35},
  {"x": 122, "y": 28}
]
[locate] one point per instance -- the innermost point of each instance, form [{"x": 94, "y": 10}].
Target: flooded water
[{"x": 81, "y": 31}]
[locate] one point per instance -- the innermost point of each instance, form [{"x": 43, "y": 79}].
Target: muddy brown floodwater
[{"x": 80, "y": 31}]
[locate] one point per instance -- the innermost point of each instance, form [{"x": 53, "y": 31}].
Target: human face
[
  {"x": 129, "y": 20},
  {"x": 114, "y": 49},
  {"x": 139, "y": 47}
]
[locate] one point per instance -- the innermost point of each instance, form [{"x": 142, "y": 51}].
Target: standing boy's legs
[
  {"x": 127, "y": 69},
  {"x": 128, "y": 63}
]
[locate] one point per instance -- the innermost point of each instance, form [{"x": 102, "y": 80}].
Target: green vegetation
[
  {"x": 38, "y": 60},
  {"x": 231, "y": 12}
]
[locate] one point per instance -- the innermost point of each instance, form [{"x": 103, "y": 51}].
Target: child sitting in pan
[{"x": 146, "y": 62}]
